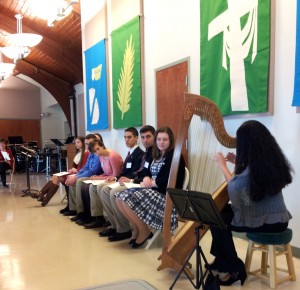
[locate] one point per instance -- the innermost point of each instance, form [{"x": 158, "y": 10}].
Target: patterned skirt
[{"x": 149, "y": 205}]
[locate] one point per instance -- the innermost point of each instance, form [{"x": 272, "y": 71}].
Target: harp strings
[{"x": 205, "y": 175}]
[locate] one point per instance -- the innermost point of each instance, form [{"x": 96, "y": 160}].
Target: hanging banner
[
  {"x": 296, "y": 98},
  {"x": 96, "y": 87},
  {"x": 126, "y": 75},
  {"x": 234, "y": 54}
]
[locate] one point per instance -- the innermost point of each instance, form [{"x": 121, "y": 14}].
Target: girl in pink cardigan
[{"x": 111, "y": 161}]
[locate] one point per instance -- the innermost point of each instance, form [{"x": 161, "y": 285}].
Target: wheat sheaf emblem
[{"x": 126, "y": 78}]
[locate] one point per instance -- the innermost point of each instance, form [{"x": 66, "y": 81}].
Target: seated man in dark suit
[{"x": 120, "y": 227}]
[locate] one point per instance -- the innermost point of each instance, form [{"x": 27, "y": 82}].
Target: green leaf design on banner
[
  {"x": 126, "y": 75},
  {"x": 126, "y": 79}
]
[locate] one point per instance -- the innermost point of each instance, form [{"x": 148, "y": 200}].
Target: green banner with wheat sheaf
[{"x": 126, "y": 75}]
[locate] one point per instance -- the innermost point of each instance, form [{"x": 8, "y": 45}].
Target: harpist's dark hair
[
  {"x": 155, "y": 151},
  {"x": 270, "y": 171}
]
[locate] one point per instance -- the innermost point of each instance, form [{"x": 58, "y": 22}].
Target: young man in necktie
[{"x": 132, "y": 173}]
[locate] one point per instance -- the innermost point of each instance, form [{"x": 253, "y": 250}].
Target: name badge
[
  {"x": 128, "y": 165},
  {"x": 146, "y": 164}
]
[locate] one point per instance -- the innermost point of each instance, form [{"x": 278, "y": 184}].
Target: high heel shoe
[
  {"x": 136, "y": 245},
  {"x": 232, "y": 278},
  {"x": 131, "y": 241}
]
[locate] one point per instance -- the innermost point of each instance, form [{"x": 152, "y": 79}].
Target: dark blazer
[
  {"x": 145, "y": 171},
  {"x": 163, "y": 175},
  {"x": 132, "y": 164}
]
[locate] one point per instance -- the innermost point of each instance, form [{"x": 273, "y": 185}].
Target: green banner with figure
[
  {"x": 126, "y": 75},
  {"x": 234, "y": 54}
]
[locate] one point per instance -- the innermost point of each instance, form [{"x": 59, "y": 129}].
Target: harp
[{"x": 176, "y": 249}]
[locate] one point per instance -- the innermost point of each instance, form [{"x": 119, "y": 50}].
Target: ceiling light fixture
[
  {"x": 20, "y": 42},
  {"x": 54, "y": 10},
  {"x": 63, "y": 10}
]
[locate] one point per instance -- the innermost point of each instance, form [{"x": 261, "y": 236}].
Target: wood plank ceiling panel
[{"x": 55, "y": 63}]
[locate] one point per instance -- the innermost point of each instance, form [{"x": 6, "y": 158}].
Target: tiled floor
[{"x": 41, "y": 249}]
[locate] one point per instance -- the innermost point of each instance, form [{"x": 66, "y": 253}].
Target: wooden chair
[
  {"x": 158, "y": 232},
  {"x": 271, "y": 245}
]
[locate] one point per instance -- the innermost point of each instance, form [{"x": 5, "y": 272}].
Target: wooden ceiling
[{"x": 56, "y": 62}]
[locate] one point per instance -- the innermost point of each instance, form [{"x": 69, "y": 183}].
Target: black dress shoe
[
  {"x": 120, "y": 236},
  {"x": 136, "y": 245},
  {"x": 108, "y": 232},
  {"x": 70, "y": 213},
  {"x": 107, "y": 224},
  {"x": 62, "y": 211},
  {"x": 77, "y": 217},
  {"x": 231, "y": 278},
  {"x": 85, "y": 220},
  {"x": 5, "y": 186},
  {"x": 98, "y": 222}
]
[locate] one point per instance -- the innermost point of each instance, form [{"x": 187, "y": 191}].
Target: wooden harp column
[{"x": 176, "y": 249}]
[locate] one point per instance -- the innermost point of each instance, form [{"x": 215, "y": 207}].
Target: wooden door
[{"x": 171, "y": 84}]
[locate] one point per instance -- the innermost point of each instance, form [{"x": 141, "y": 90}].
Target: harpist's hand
[
  {"x": 221, "y": 162},
  {"x": 230, "y": 157},
  {"x": 220, "y": 159}
]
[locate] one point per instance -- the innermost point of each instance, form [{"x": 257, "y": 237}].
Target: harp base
[{"x": 167, "y": 261}]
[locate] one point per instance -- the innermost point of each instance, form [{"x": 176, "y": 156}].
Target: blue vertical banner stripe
[
  {"x": 296, "y": 98},
  {"x": 96, "y": 87}
]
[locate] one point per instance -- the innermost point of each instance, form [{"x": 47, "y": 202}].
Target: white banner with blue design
[
  {"x": 296, "y": 98},
  {"x": 96, "y": 87}
]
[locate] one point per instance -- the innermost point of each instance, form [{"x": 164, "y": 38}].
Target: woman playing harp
[{"x": 257, "y": 204}]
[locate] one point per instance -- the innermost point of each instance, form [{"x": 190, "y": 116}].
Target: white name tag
[
  {"x": 146, "y": 164},
  {"x": 128, "y": 165}
]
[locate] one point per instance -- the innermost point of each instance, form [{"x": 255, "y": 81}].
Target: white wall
[
  {"x": 19, "y": 99},
  {"x": 172, "y": 33},
  {"x": 53, "y": 126}
]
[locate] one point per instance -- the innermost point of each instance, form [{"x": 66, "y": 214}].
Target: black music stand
[
  {"x": 198, "y": 207},
  {"x": 58, "y": 144},
  {"x": 28, "y": 153},
  {"x": 70, "y": 140}
]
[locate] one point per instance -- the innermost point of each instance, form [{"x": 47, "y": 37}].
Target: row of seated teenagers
[
  {"x": 130, "y": 212},
  {"x": 85, "y": 164},
  {"x": 148, "y": 202}
]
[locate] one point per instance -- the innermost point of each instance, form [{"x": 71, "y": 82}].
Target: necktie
[{"x": 127, "y": 157}]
